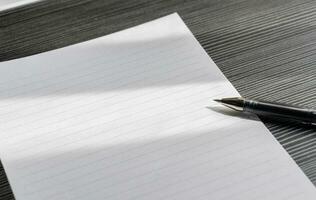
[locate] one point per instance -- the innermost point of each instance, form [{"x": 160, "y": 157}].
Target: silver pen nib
[
  {"x": 218, "y": 100},
  {"x": 235, "y": 103}
]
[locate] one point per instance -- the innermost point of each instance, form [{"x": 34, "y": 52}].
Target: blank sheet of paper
[
  {"x": 10, "y": 4},
  {"x": 130, "y": 116}
]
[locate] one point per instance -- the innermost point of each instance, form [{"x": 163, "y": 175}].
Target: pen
[{"x": 277, "y": 111}]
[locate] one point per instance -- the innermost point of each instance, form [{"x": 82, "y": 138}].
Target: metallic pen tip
[{"x": 218, "y": 100}]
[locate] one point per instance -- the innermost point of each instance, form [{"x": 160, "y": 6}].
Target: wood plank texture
[{"x": 266, "y": 48}]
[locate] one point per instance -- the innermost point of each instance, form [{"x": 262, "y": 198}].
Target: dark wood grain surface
[{"x": 266, "y": 48}]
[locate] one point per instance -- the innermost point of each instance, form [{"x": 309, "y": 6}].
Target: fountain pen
[{"x": 271, "y": 110}]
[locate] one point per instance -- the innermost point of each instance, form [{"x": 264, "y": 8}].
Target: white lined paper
[{"x": 125, "y": 116}]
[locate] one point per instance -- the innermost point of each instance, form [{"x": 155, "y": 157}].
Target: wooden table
[{"x": 266, "y": 48}]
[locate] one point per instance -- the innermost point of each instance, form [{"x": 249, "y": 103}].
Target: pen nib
[{"x": 235, "y": 103}]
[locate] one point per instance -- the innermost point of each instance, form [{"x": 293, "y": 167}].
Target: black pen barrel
[{"x": 280, "y": 111}]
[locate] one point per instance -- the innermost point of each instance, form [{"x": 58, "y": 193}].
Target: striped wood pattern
[{"x": 266, "y": 48}]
